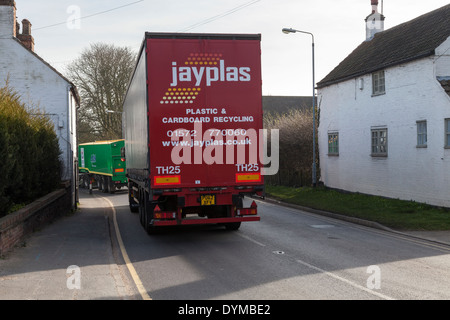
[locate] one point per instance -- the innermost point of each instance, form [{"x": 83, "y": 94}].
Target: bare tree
[{"x": 101, "y": 75}]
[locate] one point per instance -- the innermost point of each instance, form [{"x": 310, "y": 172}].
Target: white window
[
  {"x": 447, "y": 133},
  {"x": 379, "y": 142},
  {"x": 421, "y": 134},
  {"x": 333, "y": 143},
  {"x": 378, "y": 84}
]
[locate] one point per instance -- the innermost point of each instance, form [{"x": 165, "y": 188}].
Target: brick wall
[{"x": 15, "y": 227}]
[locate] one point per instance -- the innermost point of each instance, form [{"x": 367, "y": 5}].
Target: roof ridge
[{"x": 408, "y": 41}]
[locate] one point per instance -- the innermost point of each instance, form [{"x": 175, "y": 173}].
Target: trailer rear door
[{"x": 205, "y": 109}]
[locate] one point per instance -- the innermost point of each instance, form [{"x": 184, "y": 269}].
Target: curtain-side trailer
[{"x": 193, "y": 125}]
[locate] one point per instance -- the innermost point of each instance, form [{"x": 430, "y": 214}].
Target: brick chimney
[
  {"x": 8, "y": 18},
  {"x": 25, "y": 37},
  {"x": 9, "y": 27},
  {"x": 374, "y": 22},
  {"x": 374, "y": 6}
]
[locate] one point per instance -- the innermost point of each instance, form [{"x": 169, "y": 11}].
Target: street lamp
[{"x": 287, "y": 31}]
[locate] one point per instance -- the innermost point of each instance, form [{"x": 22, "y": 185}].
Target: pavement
[
  {"x": 77, "y": 258},
  {"x": 73, "y": 258},
  {"x": 435, "y": 236}
]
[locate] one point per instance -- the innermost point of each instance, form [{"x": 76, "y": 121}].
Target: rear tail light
[
  {"x": 158, "y": 214},
  {"x": 165, "y": 215},
  {"x": 248, "y": 211}
]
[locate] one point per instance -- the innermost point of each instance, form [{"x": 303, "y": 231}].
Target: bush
[
  {"x": 29, "y": 152},
  {"x": 296, "y": 147}
]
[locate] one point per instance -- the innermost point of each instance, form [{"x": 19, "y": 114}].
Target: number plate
[{"x": 208, "y": 200}]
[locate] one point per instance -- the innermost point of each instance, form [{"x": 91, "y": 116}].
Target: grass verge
[{"x": 392, "y": 213}]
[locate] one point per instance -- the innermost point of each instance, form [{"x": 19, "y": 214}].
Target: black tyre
[
  {"x": 134, "y": 206},
  {"x": 141, "y": 210},
  {"x": 98, "y": 179},
  {"x": 233, "y": 226},
  {"x": 105, "y": 184},
  {"x": 111, "y": 186}
]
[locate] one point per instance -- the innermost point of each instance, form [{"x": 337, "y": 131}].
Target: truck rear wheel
[
  {"x": 141, "y": 210},
  {"x": 82, "y": 182},
  {"x": 99, "y": 180},
  {"x": 105, "y": 184},
  {"x": 233, "y": 226},
  {"x": 134, "y": 206},
  {"x": 111, "y": 185},
  {"x": 86, "y": 181}
]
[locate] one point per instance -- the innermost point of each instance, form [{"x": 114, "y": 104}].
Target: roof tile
[{"x": 411, "y": 40}]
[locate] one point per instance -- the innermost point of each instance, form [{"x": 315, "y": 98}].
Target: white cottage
[
  {"x": 39, "y": 85},
  {"x": 385, "y": 112}
]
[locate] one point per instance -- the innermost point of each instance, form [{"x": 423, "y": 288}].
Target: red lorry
[{"x": 193, "y": 125}]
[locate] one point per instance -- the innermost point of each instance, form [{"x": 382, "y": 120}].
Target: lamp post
[{"x": 287, "y": 31}]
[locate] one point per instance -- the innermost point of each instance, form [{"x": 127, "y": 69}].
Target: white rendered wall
[
  {"x": 40, "y": 86},
  {"x": 408, "y": 172}
]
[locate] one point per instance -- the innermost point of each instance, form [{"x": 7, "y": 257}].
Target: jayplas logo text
[{"x": 200, "y": 69}]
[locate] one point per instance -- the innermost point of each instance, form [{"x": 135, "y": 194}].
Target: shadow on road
[{"x": 259, "y": 261}]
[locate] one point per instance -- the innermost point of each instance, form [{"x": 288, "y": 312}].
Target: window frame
[
  {"x": 378, "y": 83},
  {"x": 333, "y": 146},
  {"x": 379, "y": 144},
  {"x": 447, "y": 133},
  {"x": 422, "y": 135}
]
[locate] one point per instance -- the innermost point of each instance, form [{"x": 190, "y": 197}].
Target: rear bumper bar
[{"x": 204, "y": 221}]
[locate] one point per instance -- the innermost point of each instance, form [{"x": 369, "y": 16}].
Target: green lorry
[{"x": 102, "y": 165}]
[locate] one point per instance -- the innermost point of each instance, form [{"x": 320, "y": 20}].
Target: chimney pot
[
  {"x": 25, "y": 37},
  {"x": 374, "y": 6},
  {"x": 10, "y": 3},
  {"x": 26, "y": 25}
]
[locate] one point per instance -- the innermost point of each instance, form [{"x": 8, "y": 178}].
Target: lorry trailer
[
  {"x": 102, "y": 165},
  {"x": 193, "y": 123}
]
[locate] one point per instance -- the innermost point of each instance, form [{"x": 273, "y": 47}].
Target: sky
[{"x": 338, "y": 27}]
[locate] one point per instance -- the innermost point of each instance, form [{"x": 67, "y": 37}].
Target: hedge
[
  {"x": 30, "y": 164},
  {"x": 295, "y": 147}
]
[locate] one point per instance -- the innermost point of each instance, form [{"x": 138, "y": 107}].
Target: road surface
[{"x": 288, "y": 255}]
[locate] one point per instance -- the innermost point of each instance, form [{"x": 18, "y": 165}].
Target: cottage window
[
  {"x": 447, "y": 133},
  {"x": 379, "y": 142},
  {"x": 421, "y": 134},
  {"x": 378, "y": 84},
  {"x": 333, "y": 143}
]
